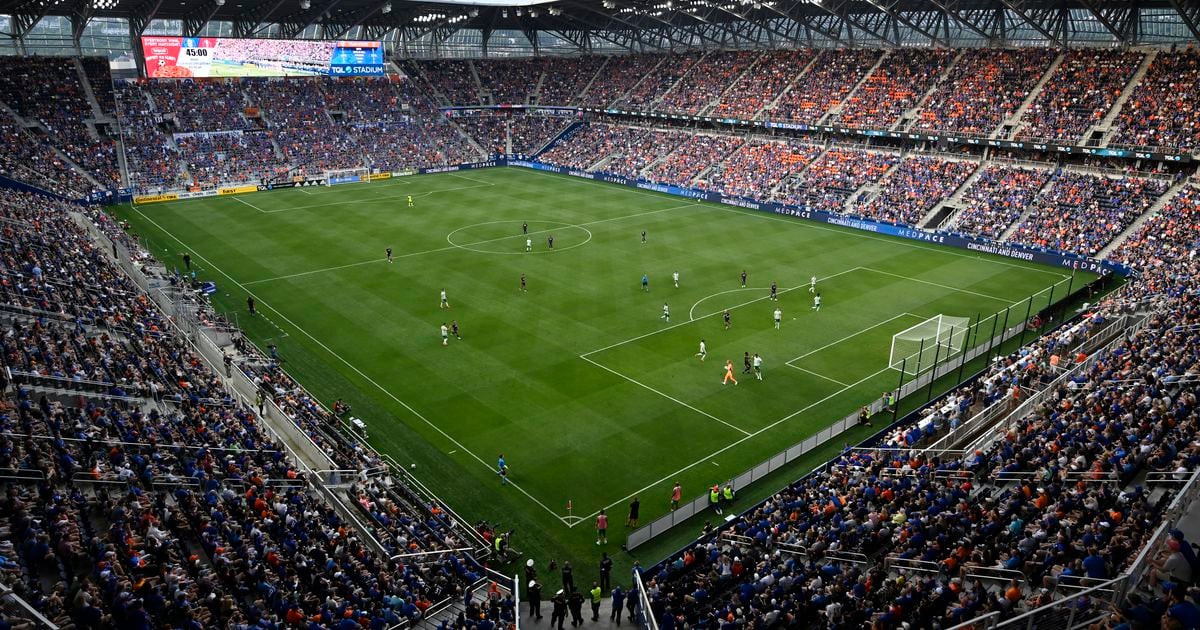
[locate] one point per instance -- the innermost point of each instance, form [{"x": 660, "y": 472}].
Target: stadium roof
[{"x": 647, "y": 25}]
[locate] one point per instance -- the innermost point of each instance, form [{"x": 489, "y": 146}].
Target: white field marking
[
  {"x": 934, "y": 284},
  {"x": 305, "y": 191},
  {"x": 452, "y": 452},
  {"x": 667, "y": 396},
  {"x": 453, "y": 246},
  {"x": 385, "y": 198},
  {"x": 355, "y": 369},
  {"x": 850, "y": 336},
  {"x": 239, "y": 198},
  {"x": 801, "y": 222},
  {"x": 712, "y": 455},
  {"x": 816, "y": 374},
  {"x": 714, "y": 463},
  {"x": 693, "y": 309},
  {"x": 471, "y": 179},
  {"x": 559, "y": 225},
  {"x": 666, "y": 328}
]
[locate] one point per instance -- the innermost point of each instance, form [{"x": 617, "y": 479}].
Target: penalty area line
[
  {"x": 352, "y": 367},
  {"x": 667, "y": 396}
]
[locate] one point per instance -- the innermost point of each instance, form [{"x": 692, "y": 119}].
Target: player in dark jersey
[
  {"x": 774, "y": 291},
  {"x": 643, "y": 236},
  {"x": 454, "y": 328},
  {"x": 524, "y": 227},
  {"x": 727, "y": 322},
  {"x": 743, "y": 278},
  {"x": 746, "y": 363},
  {"x": 389, "y": 254},
  {"x": 550, "y": 241},
  {"x": 522, "y": 282}
]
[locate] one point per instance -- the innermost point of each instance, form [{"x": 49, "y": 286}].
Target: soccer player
[
  {"x": 454, "y": 329},
  {"x": 666, "y": 313},
  {"x": 728, "y": 373},
  {"x": 703, "y": 354},
  {"x": 502, "y": 469},
  {"x": 816, "y": 302},
  {"x": 757, "y": 366},
  {"x": 812, "y": 285},
  {"x": 743, "y": 278},
  {"x": 410, "y": 201},
  {"x": 250, "y": 304},
  {"x": 774, "y": 291},
  {"x": 389, "y": 255},
  {"x": 445, "y": 303},
  {"x": 550, "y": 241},
  {"x": 645, "y": 282},
  {"x": 746, "y": 364},
  {"x": 676, "y": 493},
  {"x": 445, "y": 335},
  {"x": 528, "y": 244},
  {"x": 525, "y": 227},
  {"x": 778, "y": 317},
  {"x": 728, "y": 323},
  {"x": 675, "y": 277},
  {"x": 522, "y": 282},
  {"x": 643, "y": 237}
]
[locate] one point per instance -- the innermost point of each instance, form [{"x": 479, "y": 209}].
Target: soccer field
[{"x": 589, "y": 394}]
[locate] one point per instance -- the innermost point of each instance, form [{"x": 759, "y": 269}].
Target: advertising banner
[
  {"x": 155, "y": 198},
  {"x": 237, "y": 190}
]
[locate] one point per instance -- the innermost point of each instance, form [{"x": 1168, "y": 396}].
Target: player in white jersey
[
  {"x": 445, "y": 303},
  {"x": 778, "y": 317},
  {"x": 816, "y": 302},
  {"x": 528, "y": 244},
  {"x": 812, "y": 285},
  {"x": 445, "y": 335},
  {"x": 666, "y": 312},
  {"x": 703, "y": 350},
  {"x": 675, "y": 277},
  {"x": 757, "y": 366}
]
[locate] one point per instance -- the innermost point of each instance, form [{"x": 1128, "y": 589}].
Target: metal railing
[{"x": 643, "y": 610}]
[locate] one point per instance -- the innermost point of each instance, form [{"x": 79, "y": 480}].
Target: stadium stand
[
  {"x": 998, "y": 198},
  {"x": 1162, "y": 110},
  {"x": 709, "y": 78},
  {"x": 758, "y": 167},
  {"x": 828, "y": 182},
  {"x": 1080, "y": 213},
  {"x": 645, "y": 94},
  {"x": 762, "y": 84},
  {"x": 918, "y": 184},
  {"x": 621, "y": 75},
  {"x": 565, "y": 79},
  {"x": 894, "y": 87},
  {"x": 692, "y": 157},
  {"x": 1084, "y": 87},
  {"x": 983, "y": 88},
  {"x": 825, "y": 86},
  {"x": 529, "y": 133}
]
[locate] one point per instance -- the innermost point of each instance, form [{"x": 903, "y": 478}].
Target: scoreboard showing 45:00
[{"x": 183, "y": 57}]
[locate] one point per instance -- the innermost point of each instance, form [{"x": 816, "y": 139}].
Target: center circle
[{"x": 536, "y": 233}]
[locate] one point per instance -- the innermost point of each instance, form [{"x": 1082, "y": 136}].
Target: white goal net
[
  {"x": 347, "y": 176},
  {"x": 933, "y": 341}
]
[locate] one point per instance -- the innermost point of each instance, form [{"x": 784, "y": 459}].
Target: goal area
[
  {"x": 920, "y": 348},
  {"x": 347, "y": 176}
]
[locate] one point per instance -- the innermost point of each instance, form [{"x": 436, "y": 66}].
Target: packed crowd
[
  {"x": 645, "y": 94},
  {"x": 621, "y": 74},
  {"x": 452, "y": 79},
  {"x": 151, "y": 155},
  {"x": 309, "y": 56},
  {"x": 1081, "y": 213},
  {"x": 764, "y": 84},
  {"x": 894, "y": 87},
  {"x": 199, "y": 104},
  {"x": 213, "y": 159},
  {"x": 201, "y": 518},
  {"x": 510, "y": 82},
  {"x": 27, "y": 159},
  {"x": 825, "y": 86},
  {"x": 695, "y": 155},
  {"x": 758, "y": 167},
  {"x": 831, "y": 179},
  {"x": 707, "y": 82},
  {"x": 1084, "y": 87},
  {"x": 997, "y": 199},
  {"x": 565, "y": 79},
  {"x": 50, "y": 91},
  {"x": 528, "y": 133},
  {"x": 370, "y": 100},
  {"x": 984, "y": 88},
  {"x": 1171, "y": 235},
  {"x": 1163, "y": 110},
  {"x": 915, "y": 187}
]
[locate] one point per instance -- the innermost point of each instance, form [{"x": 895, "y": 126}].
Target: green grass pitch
[{"x": 590, "y": 395}]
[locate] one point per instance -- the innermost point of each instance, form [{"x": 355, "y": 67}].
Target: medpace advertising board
[{"x": 200, "y": 57}]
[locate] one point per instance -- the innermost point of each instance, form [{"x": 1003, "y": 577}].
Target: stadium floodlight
[
  {"x": 220, "y": 3},
  {"x": 305, "y": 5}
]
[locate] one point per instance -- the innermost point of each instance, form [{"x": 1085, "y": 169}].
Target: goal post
[
  {"x": 919, "y": 348},
  {"x": 347, "y": 176}
]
